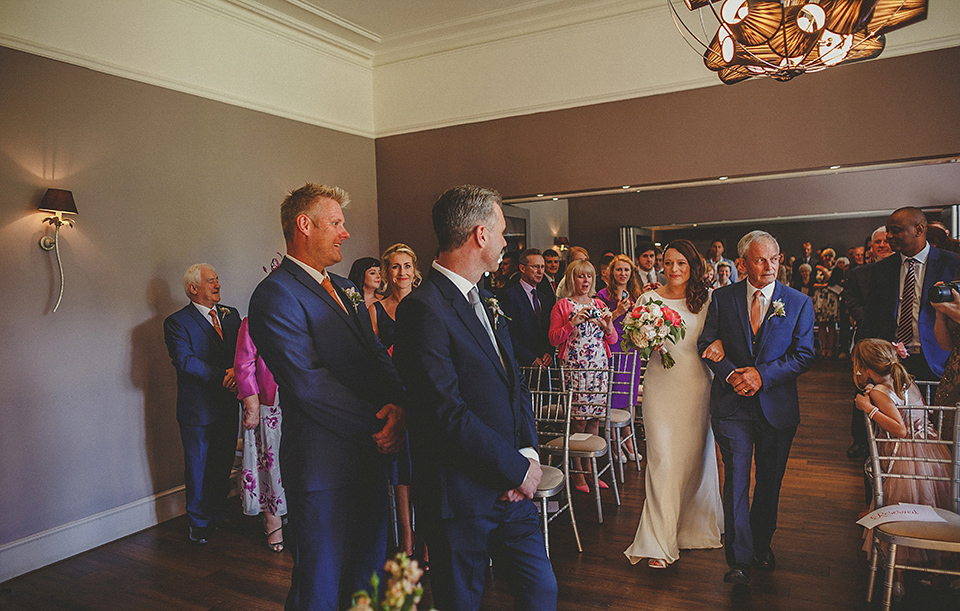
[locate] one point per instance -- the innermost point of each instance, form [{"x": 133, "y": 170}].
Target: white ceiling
[{"x": 393, "y": 30}]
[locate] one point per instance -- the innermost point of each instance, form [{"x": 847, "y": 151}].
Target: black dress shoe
[
  {"x": 738, "y": 575},
  {"x": 199, "y": 535},
  {"x": 856, "y": 450},
  {"x": 765, "y": 562}
]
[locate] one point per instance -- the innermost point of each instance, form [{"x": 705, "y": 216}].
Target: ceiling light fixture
[{"x": 782, "y": 39}]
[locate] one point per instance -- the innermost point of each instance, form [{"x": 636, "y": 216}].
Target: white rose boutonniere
[
  {"x": 356, "y": 299},
  {"x": 494, "y": 306},
  {"x": 778, "y": 309},
  {"x": 223, "y": 311}
]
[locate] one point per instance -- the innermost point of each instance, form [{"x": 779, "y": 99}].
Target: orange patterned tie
[
  {"x": 216, "y": 322},
  {"x": 328, "y": 287},
  {"x": 756, "y": 312}
]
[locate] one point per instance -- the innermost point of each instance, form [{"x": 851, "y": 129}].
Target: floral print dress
[
  {"x": 262, "y": 488},
  {"x": 586, "y": 349}
]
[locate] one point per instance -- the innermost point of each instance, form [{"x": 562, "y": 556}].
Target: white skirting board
[
  {"x": 56, "y": 544},
  {"x": 49, "y": 546}
]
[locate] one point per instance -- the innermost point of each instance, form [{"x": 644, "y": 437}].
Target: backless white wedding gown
[{"x": 683, "y": 508}]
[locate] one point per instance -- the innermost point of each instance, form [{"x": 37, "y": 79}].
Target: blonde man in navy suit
[
  {"x": 201, "y": 339},
  {"x": 339, "y": 394}
]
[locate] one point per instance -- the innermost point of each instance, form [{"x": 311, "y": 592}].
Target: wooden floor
[{"x": 819, "y": 562}]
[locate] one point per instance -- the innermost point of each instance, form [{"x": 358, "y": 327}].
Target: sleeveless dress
[
  {"x": 401, "y": 470},
  {"x": 682, "y": 508},
  {"x": 586, "y": 349},
  {"x": 932, "y": 493}
]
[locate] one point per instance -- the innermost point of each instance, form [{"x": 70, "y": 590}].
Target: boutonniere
[
  {"x": 355, "y": 297},
  {"x": 223, "y": 311},
  {"x": 778, "y": 309},
  {"x": 494, "y": 306}
]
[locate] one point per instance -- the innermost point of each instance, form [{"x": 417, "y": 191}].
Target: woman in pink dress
[{"x": 261, "y": 486}]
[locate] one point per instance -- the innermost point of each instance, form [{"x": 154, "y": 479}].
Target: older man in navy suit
[
  {"x": 897, "y": 308},
  {"x": 471, "y": 423},
  {"x": 201, "y": 339},
  {"x": 766, "y": 332},
  {"x": 339, "y": 394},
  {"x": 528, "y": 304}
]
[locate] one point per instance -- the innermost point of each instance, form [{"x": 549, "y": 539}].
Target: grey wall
[{"x": 161, "y": 180}]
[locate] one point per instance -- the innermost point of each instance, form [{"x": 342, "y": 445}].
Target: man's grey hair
[
  {"x": 192, "y": 276},
  {"x": 459, "y": 211},
  {"x": 754, "y": 236},
  {"x": 881, "y": 229}
]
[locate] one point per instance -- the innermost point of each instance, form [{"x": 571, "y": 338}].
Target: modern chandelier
[{"x": 782, "y": 39}]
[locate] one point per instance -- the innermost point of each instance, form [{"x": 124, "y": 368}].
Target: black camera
[{"x": 943, "y": 293}]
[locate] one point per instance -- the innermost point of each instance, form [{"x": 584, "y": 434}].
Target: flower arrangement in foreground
[
  {"x": 403, "y": 590},
  {"x": 647, "y": 328}
]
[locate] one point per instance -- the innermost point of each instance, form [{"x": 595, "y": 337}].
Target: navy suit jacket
[
  {"x": 880, "y": 315},
  {"x": 333, "y": 377},
  {"x": 202, "y": 359},
  {"x": 528, "y": 334},
  {"x": 467, "y": 416},
  {"x": 782, "y": 351}
]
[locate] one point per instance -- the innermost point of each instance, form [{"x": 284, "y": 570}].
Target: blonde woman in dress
[{"x": 682, "y": 508}]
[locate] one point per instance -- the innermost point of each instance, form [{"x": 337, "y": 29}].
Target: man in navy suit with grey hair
[
  {"x": 201, "y": 339},
  {"x": 766, "y": 331},
  {"x": 475, "y": 469}
]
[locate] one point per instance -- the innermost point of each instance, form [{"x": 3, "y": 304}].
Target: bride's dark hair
[{"x": 697, "y": 293}]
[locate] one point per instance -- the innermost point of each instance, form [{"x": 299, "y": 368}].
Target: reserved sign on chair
[{"x": 904, "y": 512}]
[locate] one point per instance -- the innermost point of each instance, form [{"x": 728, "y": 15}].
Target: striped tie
[
  {"x": 905, "y": 317},
  {"x": 216, "y": 322}
]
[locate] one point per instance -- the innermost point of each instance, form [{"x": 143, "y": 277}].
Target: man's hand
[
  {"x": 746, "y": 381},
  {"x": 390, "y": 438},
  {"x": 528, "y": 488},
  {"x": 230, "y": 380},
  {"x": 714, "y": 351}
]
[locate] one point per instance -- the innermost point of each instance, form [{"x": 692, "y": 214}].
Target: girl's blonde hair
[{"x": 880, "y": 356}]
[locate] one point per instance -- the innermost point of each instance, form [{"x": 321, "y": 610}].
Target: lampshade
[
  {"x": 782, "y": 39},
  {"x": 58, "y": 200}
]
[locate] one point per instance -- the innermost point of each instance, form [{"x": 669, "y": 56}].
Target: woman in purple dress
[{"x": 621, "y": 293}]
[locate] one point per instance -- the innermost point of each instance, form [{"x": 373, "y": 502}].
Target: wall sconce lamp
[
  {"x": 561, "y": 243},
  {"x": 59, "y": 202}
]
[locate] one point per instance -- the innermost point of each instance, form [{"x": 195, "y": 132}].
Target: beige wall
[
  {"x": 889, "y": 109},
  {"x": 161, "y": 180}
]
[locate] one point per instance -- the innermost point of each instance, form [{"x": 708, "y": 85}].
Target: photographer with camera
[
  {"x": 945, "y": 298},
  {"x": 898, "y": 308}
]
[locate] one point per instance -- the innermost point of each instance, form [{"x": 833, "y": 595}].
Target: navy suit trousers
[
  {"x": 511, "y": 535},
  {"x": 740, "y": 442},
  {"x": 338, "y": 539},
  {"x": 208, "y": 455}
]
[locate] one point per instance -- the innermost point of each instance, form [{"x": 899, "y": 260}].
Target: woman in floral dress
[
  {"x": 261, "y": 486},
  {"x": 581, "y": 327}
]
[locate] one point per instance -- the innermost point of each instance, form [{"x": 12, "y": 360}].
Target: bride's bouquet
[{"x": 648, "y": 327}]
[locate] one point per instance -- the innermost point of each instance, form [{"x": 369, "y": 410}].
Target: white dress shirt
[
  {"x": 317, "y": 275},
  {"x": 205, "y": 311}
]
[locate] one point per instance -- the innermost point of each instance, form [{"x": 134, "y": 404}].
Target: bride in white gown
[{"x": 683, "y": 508}]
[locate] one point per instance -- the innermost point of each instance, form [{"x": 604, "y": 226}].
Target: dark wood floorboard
[{"x": 820, "y": 565}]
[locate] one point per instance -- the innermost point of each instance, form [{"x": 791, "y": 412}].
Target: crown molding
[
  {"x": 285, "y": 27},
  {"x": 173, "y": 84},
  {"x": 336, "y": 20},
  {"x": 494, "y": 26}
]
